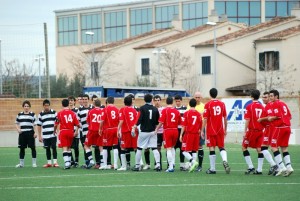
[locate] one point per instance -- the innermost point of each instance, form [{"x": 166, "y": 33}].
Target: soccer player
[
  {"x": 280, "y": 119},
  {"x": 147, "y": 138},
  {"x": 25, "y": 124},
  {"x": 170, "y": 118},
  {"x": 181, "y": 108},
  {"x": 82, "y": 115},
  {"x": 109, "y": 130},
  {"x": 267, "y": 134},
  {"x": 127, "y": 117},
  {"x": 93, "y": 120},
  {"x": 46, "y": 121},
  {"x": 253, "y": 133},
  {"x": 215, "y": 124},
  {"x": 200, "y": 108},
  {"x": 66, "y": 119},
  {"x": 75, "y": 143},
  {"x": 191, "y": 125}
]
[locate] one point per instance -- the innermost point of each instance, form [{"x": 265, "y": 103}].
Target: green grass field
[{"x": 80, "y": 184}]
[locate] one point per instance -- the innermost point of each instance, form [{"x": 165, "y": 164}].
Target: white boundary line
[{"x": 142, "y": 185}]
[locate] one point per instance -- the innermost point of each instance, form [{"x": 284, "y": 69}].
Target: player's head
[
  {"x": 72, "y": 101},
  {"x": 65, "y": 102},
  {"x": 132, "y": 97},
  {"x": 169, "y": 100},
  {"x": 148, "y": 98},
  {"x": 128, "y": 100},
  {"x": 110, "y": 100},
  {"x": 26, "y": 105},
  {"x": 178, "y": 100},
  {"x": 80, "y": 99},
  {"x": 213, "y": 92},
  {"x": 157, "y": 100},
  {"x": 265, "y": 97},
  {"x": 94, "y": 97},
  {"x": 255, "y": 94},
  {"x": 193, "y": 102},
  {"x": 85, "y": 100},
  {"x": 46, "y": 105},
  {"x": 274, "y": 95},
  {"x": 97, "y": 103},
  {"x": 198, "y": 97}
]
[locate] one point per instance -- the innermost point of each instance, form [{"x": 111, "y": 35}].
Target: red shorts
[
  {"x": 190, "y": 142},
  {"x": 91, "y": 138},
  {"x": 170, "y": 137},
  {"x": 253, "y": 139},
  {"x": 66, "y": 138},
  {"x": 127, "y": 141},
  {"x": 110, "y": 137},
  {"x": 100, "y": 140},
  {"x": 267, "y": 137},
  {"x": 215, "y": 140},
  {"x": 281, "y": 136}
]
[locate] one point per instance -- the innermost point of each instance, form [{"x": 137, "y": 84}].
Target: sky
[{"x": 21, "y": 28}]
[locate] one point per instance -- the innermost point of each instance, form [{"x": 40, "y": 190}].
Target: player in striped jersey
[
  {"x": 46, "y": 120},
  {"x": 181, "y": 108},
  {"x": 82, "y": 114},
  {"x": 25, "y": 124}
]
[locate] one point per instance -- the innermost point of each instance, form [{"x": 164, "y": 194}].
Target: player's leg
[
  {"x": 201, "y": 152},
  {"x": 104, "y": 156},
  {"x": 268, "y": 157},
  {"x": 287, "y": 161},
  {"x": 31, "y": 144},
  {"x": 89, "y": 154},
  {"x": 48, "y": 153},
  {"x": 22, "y": 146},
  {"x": 54, "y": 151},
  {"x": 97, "y": 156},
  {"x": 212, "y": 160},
  {"x": 277, "y": 156},
  {"x": 116, "y": 156}
]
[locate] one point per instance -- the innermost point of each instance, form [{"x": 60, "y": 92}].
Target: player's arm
[
  {"x": 204, "y": 123},
  {"x": 18, "y": 128},
  {"x": 247, "y": 121},
  {"x": 34, "y": 126},
  {"x": 119, "y": 128},
  {"x": 181, "y": 133},
  {"x": 225, "y": 125},
  {"x": 39, "y": 130},
  {"x": 158, "y": 127},
  {"x": 101, "y": 127},
  {"x": 263, "y": 119}
]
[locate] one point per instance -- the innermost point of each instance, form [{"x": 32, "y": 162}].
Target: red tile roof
[
  {"x": 281, "y": 34},
  {"x": 247, "y": 31}
]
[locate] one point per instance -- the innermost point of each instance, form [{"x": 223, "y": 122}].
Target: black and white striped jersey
[
  {"x": 181, "y": 110},
  {"x": 26, "y": 121},
  {"x": 75, "y": 110},
  {"x": 46, "y": 120},
  {"x": 82, "y": 115}
]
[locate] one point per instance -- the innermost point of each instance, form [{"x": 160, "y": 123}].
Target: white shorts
[{"x": 147, "y": 140}]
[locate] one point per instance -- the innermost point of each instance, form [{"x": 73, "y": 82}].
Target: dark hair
[
  {"x": 157, "y": 97},
  {"x": 97, "y": 103},
  {"x": 110, "y": 100},
  {"x": 255, "y": 94},
  {"x": 65, "y": 102},
  {"x": 46, "y": 101},
  {"x": 148, "y": 98},
  {"x": 213, "y": 92},
  {"x": 178, "y": 97},
  {"x": 85, "y": 96},
  {"x": 80, "y": 95},
  {"x": 94, "y": 96},
  {"x": 169, "y": 100},
  {"x": 266, "y": 93},
  {"x": 71, "y": 98},
  {"x": 128, "y": 100},
  {"x": 275, "y": 92},
  {"x": 132, "y": 96},
  {"x": 193, "y": 102},
  {"x": 26, "y": 102}
]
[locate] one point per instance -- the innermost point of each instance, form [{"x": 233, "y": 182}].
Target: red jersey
[
  {"x": 214, "y": 113},
  {"x": 170, "y": 117},
  {"x": 110, "y": 117},
  {"x": 129, "y": 117},
  {"x": 67, "y": 119},
  {"x": 281, "y": 110},
  {"x": 253, "y": 112},
  {"x": 192, "y": 121},
  {"x": 94, "y": 117}
]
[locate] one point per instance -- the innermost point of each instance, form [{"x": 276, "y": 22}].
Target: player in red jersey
[
  {"x": 66, "y": 119},
  {"x": 267, "y": 133},
  {"x": 281, "y": 121},
  {"x": 109, "y": 130},
  {"x": 93, "y": 121},
  {"x": 215, "y": 124},
  {"x": 253, "y": 137},
  {"x": 127, "y": 118},
  {"x": 191, "y": 125},
  {"x": 170, "y": 118}
]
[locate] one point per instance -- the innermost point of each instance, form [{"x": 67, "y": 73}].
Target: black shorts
[
  {"x": 82, "y": 140},
  {"x": 159, "y": 139},
  {"x": 50, "y": 142},
  {"x": 75, "y": 143},
  {"x": 178, "y": 143},
  {"x": 26, "y": 139}
]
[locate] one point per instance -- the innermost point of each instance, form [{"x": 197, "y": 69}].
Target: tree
[
  {"x": 142, "y": 81},
  {"x": 59, "y": 87}
]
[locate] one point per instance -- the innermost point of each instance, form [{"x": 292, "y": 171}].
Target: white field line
[{"x": 144, "y": 185}]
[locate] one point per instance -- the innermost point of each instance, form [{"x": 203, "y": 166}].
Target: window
[
  {"x": 140, "y": 21},
  {"x": 194, "y": 15},
  {"x": 91, "y": 23},
  {"x": 67, "y": 31},
  {"x": 145, "y": 67},
  {"x": 206, "y": 68},
  {"x": 269, "y": 61},
  {"x": 94, "y": 70},
  {"x": 164, "y": 16},
  {"x": 115, "y": 26}
]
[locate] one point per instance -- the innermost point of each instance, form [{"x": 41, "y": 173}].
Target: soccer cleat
[
  {"x": 55, "y": 165},
  {"x": 76, "y": 165},
  {"x": 96, "y": 166},
  {"x": 272, "y": 169},
  {"x": 19, "y": 166},
  {"x": 226, "y": 166},
  {"x": 157, "y": 168},
  {"x": 170, "y": 170},
  {"x": 146, "y": 167},
  {"x": 280, "y": 172},
  {"x": 103, "y": 167},
  {"x": 257, "y": 173},
  {"x": 116, "y": 167},
  {"x": 47, "y": 165},
  {"x": 210, "y": 171},
  {"x": 34, "y": 165},
  {"x": 250, "y": 171},
  {"x": 288, "y": 172},
  {"x": 122, "y": 169},
  {"x": 183, "y": 169},
  {"x": 193, "y": 167},
  {"x": 67, "y": 167},
  {"x": 128, "y": 166},
  {"x": 108, "y": 167},
  {"x": 199, "y": 169},
  {"x": 136, "y": 169},
  {"x": 90, "y": 165}
]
